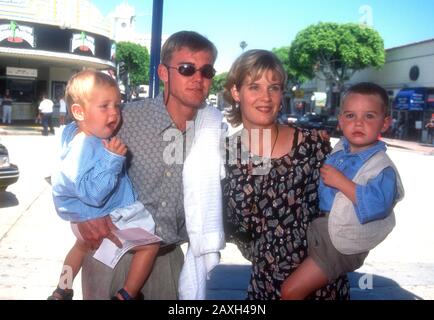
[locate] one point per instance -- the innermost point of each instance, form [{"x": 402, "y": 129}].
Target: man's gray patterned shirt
[{"x": 158, "y": 184}]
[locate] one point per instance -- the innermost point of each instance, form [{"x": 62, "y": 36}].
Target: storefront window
[{"x": 22, "y": 90}]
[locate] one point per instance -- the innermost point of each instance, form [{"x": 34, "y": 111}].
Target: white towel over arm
[{"x": 202, "y": 172}]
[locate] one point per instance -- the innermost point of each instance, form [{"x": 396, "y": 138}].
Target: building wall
[
  {"x": 395, "y": 73},
  {"x": 55, "y": 39},
  {"x": 394, "y": 76},
  {"x": 71, "y": 14}
]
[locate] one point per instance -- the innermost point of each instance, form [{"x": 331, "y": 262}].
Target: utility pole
[{"x": 157, "y": 23}]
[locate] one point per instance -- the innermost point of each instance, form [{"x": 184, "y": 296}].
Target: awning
[{"x": 410, "y": 99}]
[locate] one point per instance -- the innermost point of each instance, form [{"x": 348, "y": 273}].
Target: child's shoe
[{"x": 61, "y": 294}]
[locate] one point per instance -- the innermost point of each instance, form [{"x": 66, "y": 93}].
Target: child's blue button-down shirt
[
  {"x": 373, "y": 200},
  {"x": 90, "y": 181}
]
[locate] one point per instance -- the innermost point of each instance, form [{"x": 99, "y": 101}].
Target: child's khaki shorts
[{"x": 327, "y": 257}]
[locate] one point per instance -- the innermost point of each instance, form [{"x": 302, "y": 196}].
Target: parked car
[
  {"x": 319, "y": 122},
  {"x": 331, "y": 125},
  {"x": 8, "y": 172},
  {"x": 286, "y": 118},
  {"x": 311, "y": 121}
]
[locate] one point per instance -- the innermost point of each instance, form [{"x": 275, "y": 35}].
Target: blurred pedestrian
[
  {"x": 62, "y": 110},
  {"x": 430, "y": 127},
  {"x": 7, "y": 107},
  {"x": 46, "y": 113}
]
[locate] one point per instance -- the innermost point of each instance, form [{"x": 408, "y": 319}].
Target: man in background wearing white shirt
[{"x": 46, "y": 112}]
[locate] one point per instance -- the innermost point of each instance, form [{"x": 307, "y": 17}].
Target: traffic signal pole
[{"x": 157, "y": 23}]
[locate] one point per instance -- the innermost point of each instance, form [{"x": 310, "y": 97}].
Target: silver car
[{"x": 9, "y": 173}]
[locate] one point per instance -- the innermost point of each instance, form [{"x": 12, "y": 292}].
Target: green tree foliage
[
  {"x": 218, "y": 83},
  {"x": 336, "y": 51},
  {"x": 294, "y": 77},
  {"x": 136, "y": 59}
]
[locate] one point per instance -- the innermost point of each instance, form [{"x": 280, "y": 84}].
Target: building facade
[
  {"x": 409, "y": 79},
  {"x": 407, "y": 68},
  {"x": 123, "y": 21},
  {"x": 43, "y": 43}
]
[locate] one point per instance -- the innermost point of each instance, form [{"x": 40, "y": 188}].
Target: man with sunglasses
[{"x": 151, "y": 128}]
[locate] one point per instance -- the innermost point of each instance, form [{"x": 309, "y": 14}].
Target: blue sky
[{"x": 268, "y": 24}]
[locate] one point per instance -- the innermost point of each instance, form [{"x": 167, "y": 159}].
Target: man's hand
[
  {"x": 115, "y": 145},
  {"x": 94, "y": 231}
]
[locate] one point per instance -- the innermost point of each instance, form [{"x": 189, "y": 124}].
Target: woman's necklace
[{"x": 250, "y": 165}]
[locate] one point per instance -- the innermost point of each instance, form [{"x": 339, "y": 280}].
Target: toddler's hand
[
  {"x": 331, "y": 176},
  {"x": 115, "y": 145}
]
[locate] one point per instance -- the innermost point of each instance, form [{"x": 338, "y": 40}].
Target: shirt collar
[
  {"x": 167, "y": 122},
  {"x": 364, "y": 154},
  {"x": 164, "y": 120}
]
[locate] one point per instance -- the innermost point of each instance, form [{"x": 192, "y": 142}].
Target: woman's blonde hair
[
  {"x": 253, "y": 64},
  {"x": 81, "y": 84}
]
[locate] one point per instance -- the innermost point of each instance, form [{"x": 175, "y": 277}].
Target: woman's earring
[{"x": 237, "y": 105}]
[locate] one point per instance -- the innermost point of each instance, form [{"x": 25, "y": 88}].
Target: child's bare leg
[
  {"x": 71, "y": 267},
  {"x": 74, "y": 259},
  {"x": 140, "y": 268},
  {"x": 307, "y": 278}
]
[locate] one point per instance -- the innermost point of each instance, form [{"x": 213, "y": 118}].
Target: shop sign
[
  {"x": 320, "y": 99},
  {"x": 299, "y": 93},
  {"x": 83, "y": 43},
  {"x": 15, "y": 33},
  {"x": 22, "y": 72}
]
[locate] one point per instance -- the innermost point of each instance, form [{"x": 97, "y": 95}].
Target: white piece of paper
[{"x": 109, "y": 254}]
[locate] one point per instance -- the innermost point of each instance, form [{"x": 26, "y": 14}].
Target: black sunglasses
[{"x": 187, "y": 70}]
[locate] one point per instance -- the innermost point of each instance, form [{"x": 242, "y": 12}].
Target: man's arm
[{"x": 95, "y": 230}]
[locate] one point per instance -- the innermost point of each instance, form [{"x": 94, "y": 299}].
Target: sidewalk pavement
[{"x": 21, "y": 128}]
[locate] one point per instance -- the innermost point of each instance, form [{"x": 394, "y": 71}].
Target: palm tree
[{"x": 243, "y": 45}]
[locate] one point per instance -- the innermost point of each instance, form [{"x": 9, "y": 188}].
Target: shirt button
[
  {"x": 168, "y": 174},
  {"x": 164, "y": 204}
]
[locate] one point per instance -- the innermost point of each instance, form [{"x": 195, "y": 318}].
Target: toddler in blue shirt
[
  {"x": 91, "y": 181},
  {"x": 358, "y": 189}
]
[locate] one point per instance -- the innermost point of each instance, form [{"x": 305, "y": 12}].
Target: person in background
[
  {"x": 172, "y": 176},
  {"x": 359, "y": 188},
  {"x": 430, "y": 127},
  {"x": 46, "y": 114},
  {"x": 7, "y": 107},
  {"x": 62, "y": 110},
  {"x": 272, "y": 176}
]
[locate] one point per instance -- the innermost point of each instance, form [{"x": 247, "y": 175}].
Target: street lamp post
[{"x": 157, "y": 22}]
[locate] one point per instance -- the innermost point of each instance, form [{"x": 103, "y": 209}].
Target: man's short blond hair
[{"x": 81, "y": 84}]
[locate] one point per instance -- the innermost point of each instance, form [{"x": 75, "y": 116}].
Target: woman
[{"x": 271, "y": 180}]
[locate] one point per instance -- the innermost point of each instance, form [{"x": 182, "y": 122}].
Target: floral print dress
[{"x": 267, "y": 215}]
